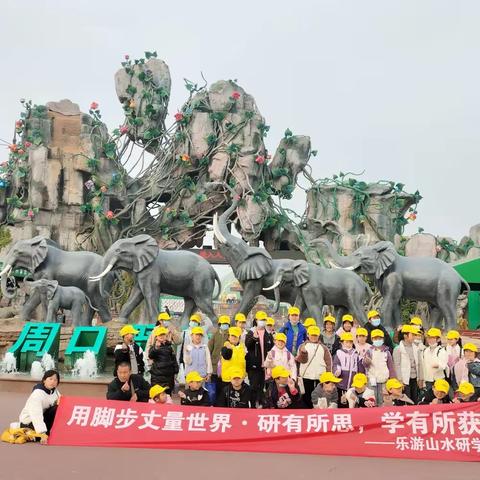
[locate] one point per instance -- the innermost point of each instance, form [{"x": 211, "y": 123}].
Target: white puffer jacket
[
  {"x": 38, "y": 401},
  {"x": 435, "y": 363}
]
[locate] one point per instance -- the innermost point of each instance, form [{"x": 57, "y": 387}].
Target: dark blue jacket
[{"x": 287, "y": 329}]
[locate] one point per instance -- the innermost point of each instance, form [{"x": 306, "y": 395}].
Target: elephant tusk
[
  {"x": 275, "y": 285},
  {"x": 98, "y": 277},
  {"x": 216, "y": 231},
  {"x": 353, "y": 267},
  {"x": 6, "y": 270}
]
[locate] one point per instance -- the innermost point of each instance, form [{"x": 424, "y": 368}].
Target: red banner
[{"x": 449, "y": 432}]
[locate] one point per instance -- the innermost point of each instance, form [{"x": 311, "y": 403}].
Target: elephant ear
[
  {"x": 146, "y": 250},
  {"x": 257, "y": 264},
  {"x": 39, "y": 248},
  {"x": 52, "y": 286},
  {"x": 386, "y": 256},
  {"x": 301, "y": 274}
]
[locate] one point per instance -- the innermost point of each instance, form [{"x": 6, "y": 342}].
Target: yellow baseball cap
[
  {"x": 261, "y": 315},
  {"x": 240, "y": 317},
  {"x": 270, "y": 321},
  {"x": 359, "y": 380},
  {"x": 453, "y": 335},
  {"x": 361, "y": 332},
  {"x": 163, "y": 316},
  {"x": 441, "y": 385},
  {"x": 466, "y": 388},
  {"x": 280, "y": 371},
  {"x": 347, "y": 318},
  {"x": 309, "y": 322},
  {"x": 377, "y": 333},
  {"x": 329, "y": 318},
  {"x": 470, "y": 346},
  {"x": 127, "y": 329},
  {"x": 372, "y": 314},
  {"x": 313, "y": 330},
  {"x": 416, "y": 321},
  {"x": 159, "y": 331},
  {"x": 280, "y": 336},
  {"x": 193, "y": 377},
  {"x": 196, "y": 317},
  {"x": 410, "y": 329},
  {"x": 198, "y": 330},
  {"x": 236, "y": 373},
  {"x": 224, "y": 319},
  {"x": 294, "y": 311},
  {"x": 235, "y": 331},
  {"x": 393, "y": 383},
  {"x": 434, "y": 332},
  {"x": 156, "y": 390},
  {"x": 329, "y": 377},
  {"x": 346, "y": 336}
]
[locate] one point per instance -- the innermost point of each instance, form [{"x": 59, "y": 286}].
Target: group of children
[{"x": 303, "y": 366}]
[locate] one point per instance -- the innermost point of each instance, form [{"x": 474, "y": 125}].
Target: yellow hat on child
[
  {"x": 393, "y": 383},
  {"x": 466, "y": 388},
  {"x": 163, "y": 316},
  {"x": 193, "y": 377},
  {"x": 280, "y": 336},
  {"x": 240, "y": 317},
  {"x": 329, "y": 377},
  {"x": 453, "y": 335},
  {"x": 470, "y": 346},
  {"x": 224, "y": 319},
  {"x": 270, "y": 321},
  {"x": 235, "y": 331},
  {"x": 261, "y": 315},
  {"x": 377, "y": 333},
  {"x": 309, "y": 322},
  {"x": 156, "y": 390},
  {"x": 294, "y": 311},
  {"x": 197, "y": 331},
  {"x": 313, "y": 330},
  {"x": 441, "y": 385},
  {"x": 346, "y": 337},
  {"x": 128, "y": 329},
  {"x": 196, "y": 318},
  {"x": 434, "y": 332},
  {"x": 280, "y": 371},
  {"x": 416, "y": 321},
  {"x": 159, "y": 331},
  {"x": 372, "y": 314},
  {"x": 410, "y": 329},
  {"x": 347, "y": 318},
  {"x": 359, "y": 380},
  {"x": 361, "y": 332},
  {"x": 329, "y": 318}
]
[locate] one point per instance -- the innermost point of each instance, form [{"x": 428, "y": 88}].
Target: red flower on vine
[
  {"x": 30, "y": 214},
  {"x": 260, "y": 159},
  {"x": 21, "y": 151},
  {"x": 13, "y": 147},
  {"x": 178, "y": 116},
  {"x": 109, "y": 214},
  {"x": 94, "y": 106},
  {"x": 126, "y": 57},
  {"x": 19, "y": 124},
  {"x": 27, "y": 144},
  {"x": 235, "y": 95},
  {"x": 185, "y": 157},
  {"x": 123, "y": 129}
]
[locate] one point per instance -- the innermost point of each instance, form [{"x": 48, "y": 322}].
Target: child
[
  {"x": 467, "y": 369},
  {"x": 194, "y": 394},
  {"x": 197, "y": 356},
  {"x": 378, "y": 363},
  {"x": 347, "y": 325},
  {"x": 309, "y": 322},
  {"x": 165, "y": 365},
  {"x": 359, "y": 395},
  {"x": 464, "y": 393},
  {"x": 437, "y": 394},
  {"x": 129, "y": 351},
  {"x": 280, "y": 356},
  {"x": 282, "y": 392},
  {"x": 435, "y": 359},
  {"x": 361, "y": 345},
  {"x": 395, "y": 395},
  {"x": 241, "y": 323},
  {"x": 346, "y": 362},
  {"x": 454, "y": 352},
  {"x": 159, "y": 395},
  {"x": 237, "y": 394},
  {"x": 270, "y": 326},
  {"x": 328, "y": 337},
  {"x": 195, "y": 321},
  {"x": 233, "y": 355},
  {"x": 325, "y": 394},
  {"x": 215, "y": 345}
]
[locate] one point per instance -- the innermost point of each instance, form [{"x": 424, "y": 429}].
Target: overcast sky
[{"x": 389, "y": 87}]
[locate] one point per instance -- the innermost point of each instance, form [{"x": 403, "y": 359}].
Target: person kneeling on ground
[
  {"x": 237, "y": 394},
  {"x": 359, "y": 395},
  {"x": 195, "y": 394},
  {"x": 282, "y": 391},
  {"x": 395, "y": 395},
  {"x": 325, "y": 395},
  {"x": 159, "y": 395},
  {"x": 465, "y": 393},
  {"x": 128, "y": 386},
  {"x": 41, "y": 407},
  {"x": 437, "y": 394}
]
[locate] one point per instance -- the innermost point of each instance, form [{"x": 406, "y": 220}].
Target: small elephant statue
[{"x": 68, "y": 298}]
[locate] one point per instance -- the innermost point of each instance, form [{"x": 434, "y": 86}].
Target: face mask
[
  {"x": 260, "y": 324},
  {"x": 418, "y": 341},
  {"x": 192, "y": 324},
  {"x": 377, "y": 343},
  {"x": 376, "y": 322},
  {"x": 282, "y": 385},
  {"x": 224, "y": 326}
]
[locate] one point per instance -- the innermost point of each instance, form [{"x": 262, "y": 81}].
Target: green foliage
[
  {"x": 263, "y": 129},
  {"x": 218, "y": 116},
  {"x": 110, "y": 150},
  {"x": 280, "y": 172},
  {"x": 211, "y": 140},
  {"x": 93, "y": 164},
  {"x": 5, "y": 236},
  {"x": 287, "y": 191}
]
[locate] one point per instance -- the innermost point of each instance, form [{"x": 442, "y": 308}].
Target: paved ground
[{"x": 34, "y": 461}]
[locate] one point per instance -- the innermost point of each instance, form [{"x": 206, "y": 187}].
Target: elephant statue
[
  {"x": 318, "y": 286},
  {"x": 175, "y": 272},
  {"x": 423, "y": 279},
  {"x": 43, "y": 258},
  {"x": 68, "y": 298}
]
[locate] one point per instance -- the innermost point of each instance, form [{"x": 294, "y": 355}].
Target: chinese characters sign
[{"x": 420, "y": 432}]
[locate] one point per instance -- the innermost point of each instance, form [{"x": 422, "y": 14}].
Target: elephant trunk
[
  {"x": 346, "y": 262},
  {"x": 108, "y": 265},
  {"x": 220, "y": 229},
  {"x": 276, "y": 290}
]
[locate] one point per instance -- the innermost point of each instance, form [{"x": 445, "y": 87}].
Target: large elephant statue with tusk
[
  {"x": 175, "y": 272},
  {"x": 423, "y": 279},
  {"x": 44, "y": 259}
]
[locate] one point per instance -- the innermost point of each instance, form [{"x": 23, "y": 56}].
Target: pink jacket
[{"x": 276, "y": 357}]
